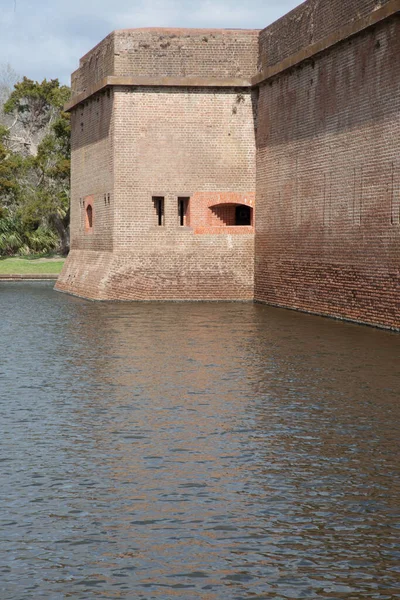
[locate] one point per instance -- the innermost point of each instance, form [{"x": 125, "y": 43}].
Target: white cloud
[{"x": 43, "y": 38}]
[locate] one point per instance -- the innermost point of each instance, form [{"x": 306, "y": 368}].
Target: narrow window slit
[
  {"x": 158, "y": 202},
  {"x": 183, "y": 205}
]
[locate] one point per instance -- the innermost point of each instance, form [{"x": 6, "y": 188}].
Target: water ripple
[{"x": 195, "y": 451}]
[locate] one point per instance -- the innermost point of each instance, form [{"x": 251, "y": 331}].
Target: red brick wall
[
  {"x": 307, "y": 24},
  {"x": 328, "y": 182},
  {"x": 208, "y": 211},
  {"x": 202, "y": 142}
]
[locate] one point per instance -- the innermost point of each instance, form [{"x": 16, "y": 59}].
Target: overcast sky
[{"x": 46, "y": 38}]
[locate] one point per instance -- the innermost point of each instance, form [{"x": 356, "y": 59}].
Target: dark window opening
[
  {"x": 242, "y": 215},
  {"x": 158, "y": 202},
  {"x": 183, "y": 205},
  {"x": 89, "y": 216},
  {"x": 231, "y": 215}
]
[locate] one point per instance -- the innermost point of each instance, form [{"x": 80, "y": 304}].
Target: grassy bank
[{"x": 30, "y": 266}]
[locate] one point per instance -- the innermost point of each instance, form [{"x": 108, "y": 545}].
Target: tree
[
  {"x": 10, "y": 167},
  {"x": 35, "y": 107},
  {"x": 37, "y": 140},
  {"x": 49, "y": 200}
]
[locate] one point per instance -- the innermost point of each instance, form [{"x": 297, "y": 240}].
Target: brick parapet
[
  {"x": 94, "y": 66},
  {"x": 175, "y": 54},
  {"x": 311, "y": 22},
  {"x": 114, "y": 61},
  {"x": 335, "y": 34}
]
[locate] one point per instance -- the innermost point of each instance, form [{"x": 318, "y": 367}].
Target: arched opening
[
  {"x": 242, "y": 215},
  {"x": 89, "y": 216},
  {"x": 231, "y": 215}
]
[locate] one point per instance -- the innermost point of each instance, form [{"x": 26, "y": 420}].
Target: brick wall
[
  {"x": 92, "y": 172},
  {"x": 91, "y": 183},
  {"x": 215, "y": 212},
  {"x": 328, "y": 172},
  {"x": 94, "y": 66},
  {"x": 170, "y": 143},
  {"x": 183, "y": 53},
  {"x": 155, "y": 52},
  {"x": 307, "y": 24},
  {"x": 328, "y": 182}
]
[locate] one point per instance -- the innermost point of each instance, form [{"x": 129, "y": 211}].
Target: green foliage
[
  {"x": 16, "y": 237},
  {"x": 35, "y": 169},
  {"x": 42, "y": 240},
  {"x": 10, "y": 165},
  {"x": 35, "y": 104},
  {"x": 11, "y": 235}
]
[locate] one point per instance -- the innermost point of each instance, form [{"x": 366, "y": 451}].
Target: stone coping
[
  {"x": 144, "y": 81},
  {"x": 27, "y": 277}
]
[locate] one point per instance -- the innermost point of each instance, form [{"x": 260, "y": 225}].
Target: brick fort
[{"x": 260, "y": 165}]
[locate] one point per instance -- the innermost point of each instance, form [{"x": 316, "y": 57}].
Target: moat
[{"x": 195, "y": 451}]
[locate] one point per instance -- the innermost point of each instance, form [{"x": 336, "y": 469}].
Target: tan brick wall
[
  {"x": 92, "y": 172},
  {"x": 184, "y": 53},
  {"x": 171, "y": 143},
  {"x": 328, "y": 182},
  {"x": 159, "y": 52},
  {"x": 92, "y": 182},
  {"x": 94, "y": 66}
]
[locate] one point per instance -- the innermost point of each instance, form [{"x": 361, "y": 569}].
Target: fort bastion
[{"x": 243, "y": 164}]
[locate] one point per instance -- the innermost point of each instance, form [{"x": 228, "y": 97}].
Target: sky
[{"x": 45, "y": 38}]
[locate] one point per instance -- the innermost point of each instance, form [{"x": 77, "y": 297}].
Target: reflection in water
[{"x": 213, "y": 451}]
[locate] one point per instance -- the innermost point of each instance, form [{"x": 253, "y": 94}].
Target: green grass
[{"x": 30, "y": 266}]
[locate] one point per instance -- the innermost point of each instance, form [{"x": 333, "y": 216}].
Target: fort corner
[
  {"x": 163, "y": 153},
  {"x": 240, "y": 165}
]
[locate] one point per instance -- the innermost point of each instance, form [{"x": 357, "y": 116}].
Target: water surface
[{"x": 195, "y": 451}]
